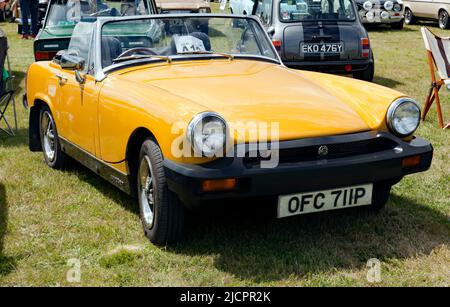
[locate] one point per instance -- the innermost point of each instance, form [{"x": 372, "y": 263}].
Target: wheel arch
[
  {"x": 135, "y": 141},
  {"x": 34, "y": 137}
]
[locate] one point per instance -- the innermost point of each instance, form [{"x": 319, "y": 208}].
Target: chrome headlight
[
  {"x": 397, "y": 7},
  {"x": 368, "y": 5},
  {"x": 389, "y": 5},
  {"x": 384, "y": 15},
  {"x": 403, "y": 117},
  {"x": 207, "y": 134}
]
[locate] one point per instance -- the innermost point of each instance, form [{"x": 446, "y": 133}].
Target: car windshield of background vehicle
[
  {"x": 316, "y": 10},
  {"x": 70, "y": 12},
  {"x": 181, "y": 37}
]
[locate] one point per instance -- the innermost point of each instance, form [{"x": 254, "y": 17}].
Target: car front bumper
[
  {"x": 330, "y": 66},
  {"x": 309, "y": 174},
  {"x": 394, "y": 17}
]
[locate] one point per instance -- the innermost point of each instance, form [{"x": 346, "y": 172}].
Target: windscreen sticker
[{"x": 188, "y": 44}]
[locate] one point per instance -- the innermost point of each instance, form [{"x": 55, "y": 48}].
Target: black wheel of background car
[
  {"x": 161, "y": 211},
  {"x": 51, "y": 146},
  {"x": 381, "y": 192},
  {"x": 409, "y": 17},
  {"x": 397, "y": 25},
  {"x": 366, "y": 74},
  {"x": 444, "y": 20}
]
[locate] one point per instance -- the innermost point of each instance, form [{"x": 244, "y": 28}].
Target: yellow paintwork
[{"x": 100, "y": 117}]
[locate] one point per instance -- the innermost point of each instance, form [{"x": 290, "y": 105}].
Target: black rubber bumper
[
  {"x": 330, "y": 66},
  {"x": 316, "y": 174}
]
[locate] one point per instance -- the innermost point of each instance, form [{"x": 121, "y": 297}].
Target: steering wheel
[{"x": 137, "y": 50}]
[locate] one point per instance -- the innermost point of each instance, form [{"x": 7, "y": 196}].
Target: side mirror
[
  {"x": 75, "y": 63},
  {"x": 71, "y": 62},
  {"x": 271, "y": 31}
]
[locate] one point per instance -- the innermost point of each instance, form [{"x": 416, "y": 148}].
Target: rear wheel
[
  {"x": 51, "y": 147},
  {"x": 409, "y": 17},
  {"x": 444, "y": 22},
  {"x": 161, "y": 212},
  {"x": 366, "y": 74}
]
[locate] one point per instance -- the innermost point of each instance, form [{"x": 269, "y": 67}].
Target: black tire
[
  {"x": 444, "y": 20},
  {"x": 366, "y": 74},
  {"x": 166, "y": 223},
  {"x": 397, "y": 25},
  {"x": 51, "y": 146},
  {"x": 381, "y": 192},
  {"x": 409, "y": 17}
]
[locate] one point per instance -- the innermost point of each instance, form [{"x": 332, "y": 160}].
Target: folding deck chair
[
  {"x": 438, "y": 50},
  {"x": 6, "y": 92}
]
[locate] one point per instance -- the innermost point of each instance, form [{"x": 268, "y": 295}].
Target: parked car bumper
[
  {"x": 331, "y": 66},
  {"x": 308, "y": 173},
  {"x": 394, "y": 17}
]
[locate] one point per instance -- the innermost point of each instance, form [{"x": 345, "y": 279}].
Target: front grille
[{"x": 334, "y": 151}]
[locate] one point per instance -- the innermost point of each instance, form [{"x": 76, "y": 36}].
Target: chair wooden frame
[{"x": 433, "y": 95}]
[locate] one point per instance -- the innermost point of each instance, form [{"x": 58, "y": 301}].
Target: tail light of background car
[
  {"x": 277, "y": 44},
  {"x": 365, "y": 44},
  {"x": 44, "y": 55}
]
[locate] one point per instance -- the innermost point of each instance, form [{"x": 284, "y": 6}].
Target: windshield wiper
[
  {"x": 142, "y": 56},
  {"x": 225, "y": 55}
]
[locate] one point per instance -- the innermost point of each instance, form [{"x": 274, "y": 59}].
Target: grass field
[{"x": 48, "y": 217}]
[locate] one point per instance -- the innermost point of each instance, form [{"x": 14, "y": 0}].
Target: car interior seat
[{"x": 111, "y": 49}]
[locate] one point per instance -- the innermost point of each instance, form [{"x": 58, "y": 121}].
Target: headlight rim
[
  {"x": 194, "y": 122},
  {"x": 391, "y": 3},
  {"x": 391, "y": 111},
  {"x": 367, "y": 2}
]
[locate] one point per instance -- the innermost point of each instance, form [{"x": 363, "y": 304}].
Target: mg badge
[{"x": 323, "y": 151}]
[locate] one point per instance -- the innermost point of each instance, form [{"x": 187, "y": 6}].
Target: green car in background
[{"x": 63, "y": 15}]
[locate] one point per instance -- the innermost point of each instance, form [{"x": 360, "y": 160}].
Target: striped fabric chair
[{"x": 438, "y": 49}]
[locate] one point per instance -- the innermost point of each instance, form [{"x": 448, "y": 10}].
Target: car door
[
  {"x": 423, "y": 8},
  {"x": 78, "y": 105},
  {"x": 78, "y": 101}
]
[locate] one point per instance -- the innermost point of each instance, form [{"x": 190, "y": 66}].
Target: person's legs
[
  {"x": 34, "y": 16},
  {"x": 24, "y": 9}
]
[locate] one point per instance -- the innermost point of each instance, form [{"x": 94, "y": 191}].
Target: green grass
[{"x": 48, "y": 217}]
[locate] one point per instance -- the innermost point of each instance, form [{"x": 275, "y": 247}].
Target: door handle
[{"x": 61, "y": 79}]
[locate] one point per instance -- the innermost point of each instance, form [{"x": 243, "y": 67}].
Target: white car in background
[
  {"x": 242, "y": 7},
  {"x": 436, "y": 10}
]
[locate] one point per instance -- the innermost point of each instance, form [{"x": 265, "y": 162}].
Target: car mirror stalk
[{"x": 80, "y": 77}]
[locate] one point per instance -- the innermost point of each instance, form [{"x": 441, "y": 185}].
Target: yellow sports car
[{"x": 178, "y": 117}]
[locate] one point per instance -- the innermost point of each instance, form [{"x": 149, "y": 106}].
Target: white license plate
[
  {"x": 325, "y": 200},
  {"x": 325, "y": 48}
]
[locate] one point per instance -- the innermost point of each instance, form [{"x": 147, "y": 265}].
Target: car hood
[{"x": 303, "y": 104}]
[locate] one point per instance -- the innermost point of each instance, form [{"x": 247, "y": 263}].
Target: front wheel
[
  {"x": 409, "y": 17},
  {"x": 444, "y": 22},
  {"x": 366, "y": 74},
  {"x": 381, "y": 193},
  {"x": 161, "y": 212}
]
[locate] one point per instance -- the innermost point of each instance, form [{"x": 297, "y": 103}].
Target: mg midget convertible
[{"x": 189, "y": 119}]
